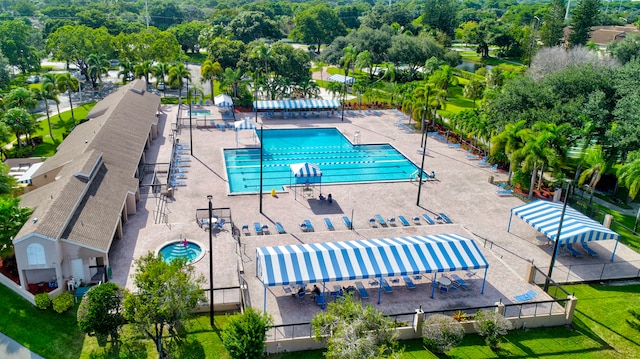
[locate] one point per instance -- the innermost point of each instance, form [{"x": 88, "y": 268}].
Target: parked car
[
  {"x": 33, "y": 79},
  {"x": 160, "y": 86},
  {"x": 114, "y": 62}
]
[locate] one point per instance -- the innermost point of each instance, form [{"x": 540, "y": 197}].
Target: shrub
[
  {"x": 244, "y": 335},
  {"x": 441, "y": 333},
  {"x": 63, "y": 302},
  {"x": 43, "y": 301},
  {"x": 492, "y": 326}
]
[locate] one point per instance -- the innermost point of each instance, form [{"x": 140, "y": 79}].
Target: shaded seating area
[
  {"x": 376, "y": 259},
  {"x": 545, "y": 217}
]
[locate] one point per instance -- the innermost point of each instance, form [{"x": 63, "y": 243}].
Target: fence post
[
  {"x": 418, "y": 319},
  {"x": 531, "y": 273},
  {"x": 571, "y": 306},
  {"x": 500, "y": 308}
]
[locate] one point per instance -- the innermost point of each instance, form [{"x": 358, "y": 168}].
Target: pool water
[
  {"x": 338, "y": 159},
  {"x": 200, "y": 113},
  {"x": 177, "y": 249}
]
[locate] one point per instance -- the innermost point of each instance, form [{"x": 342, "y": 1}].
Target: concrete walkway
[{"x": 10, "y": 349}]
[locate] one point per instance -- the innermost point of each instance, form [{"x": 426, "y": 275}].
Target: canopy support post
[
  {"x": 264, "y": 306},
  {"x": 615, "y": 248},
  {"x": 433, "y": 285},
  {"x": 484, "y": 281},
  {"x": 379, "y": 289},
  {"x": 509, "y": 225}
]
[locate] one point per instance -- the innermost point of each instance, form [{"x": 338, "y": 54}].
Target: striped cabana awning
[
  {"x": 341, "y": 79},
  {"x": 296, "y": 104},
  {"x": 544, "y": 216},
  {"x": 305, "y": 169},
  {"x": 369, "y": 258}
]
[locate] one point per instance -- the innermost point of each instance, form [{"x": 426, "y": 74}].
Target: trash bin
[
  {"x": 491, "y": 179},
  {"x": 170, "y": 192}
]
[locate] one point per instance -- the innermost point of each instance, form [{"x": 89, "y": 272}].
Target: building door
[{"x": 77, "y": 269}]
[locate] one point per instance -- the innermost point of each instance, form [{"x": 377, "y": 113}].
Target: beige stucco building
[{"x": 83, "y": 195}]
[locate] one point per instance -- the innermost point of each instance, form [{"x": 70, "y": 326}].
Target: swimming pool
[
  {"x": 200, "y": 113},
  {"x": 182, "y": 248},
  {"x": 338, "y": 159}
]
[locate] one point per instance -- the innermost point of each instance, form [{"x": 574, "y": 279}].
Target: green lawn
[
  {"x": 59, "y": 126},
  {"x": 600, "y": 331}
]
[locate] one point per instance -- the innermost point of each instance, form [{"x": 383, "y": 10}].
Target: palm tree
[
  {"x": 509, "y": 141},
  {"x": 210, "y": 72},
  {"x": 21, "y": 97},
  {"x": 144, "y": 70},
  {"x": 230, "y": 80},
  {"x": 444, "y": 77},
  {"x": 349, "y": 57},
  {"x": 597, "y": 165},
  {"x": 98, "y": 66},
  {"x": 177, "y": 74},
  {"x": 474, "y": 90},
  {"x": 20, "y": 122},
  {"x": 50, "y": 78},
  {"x": 126, "y": 70},
  {"x": 68, "y": 83},
  {"x": 629, "y": 173},
  {"x": 47, "y": 92}
]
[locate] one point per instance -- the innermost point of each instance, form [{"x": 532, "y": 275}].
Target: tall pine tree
[
  {"x": 551, "y": 32},
  {"x": 584, "y": 16}
]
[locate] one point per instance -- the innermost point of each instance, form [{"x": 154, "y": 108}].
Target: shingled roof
[{"x": 98, "y": 162}]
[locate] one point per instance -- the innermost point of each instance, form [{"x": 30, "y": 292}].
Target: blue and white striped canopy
[
  {"x": 576, "y": 227},
  {"x": 369, "y": 258},
  {"x": 244, "y": 125},
  {"x": 305, "y": 169},
  {"x": 341, "y": 79},
  {"x": 223, "y": 101},
  {"x": 296, "y": 104}
]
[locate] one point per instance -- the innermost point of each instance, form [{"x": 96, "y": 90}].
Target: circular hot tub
[{"x": 184, "y": 248}]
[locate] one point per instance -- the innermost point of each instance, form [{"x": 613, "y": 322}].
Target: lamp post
[
  {"x": 557, "y": 241},
  {"x": 190, "y": 126},
  {"x": 344, "y": 96},
  {"x": 261, "y": 168},
  {"x": 425, "y": 125},
  {"x": 209, "y": 197}
]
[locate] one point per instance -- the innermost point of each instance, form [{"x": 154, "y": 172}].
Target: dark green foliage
[
  {"x": 100, "y": 312},
  {"x": 584, "y": 16},
  {"x": 244, "y": 335}
]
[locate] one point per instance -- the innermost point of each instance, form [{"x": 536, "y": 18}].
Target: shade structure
[
  {"x": 306, "y": 173},
  {"x": 369, "y": 258},
  {"x": 341, "y": 79},
  {"x": 305, "y": 169},
  {"x": 223, "y": 101},
  {"x": 307, "y": 104},
  {"x": 244, "y": 125},
  {"x": 544, "y": 216}
]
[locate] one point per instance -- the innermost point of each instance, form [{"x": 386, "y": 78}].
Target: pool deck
[{"x": 461, "y": 190}]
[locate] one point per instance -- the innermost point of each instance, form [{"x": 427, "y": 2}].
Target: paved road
[{"x": 10, "y": 349}]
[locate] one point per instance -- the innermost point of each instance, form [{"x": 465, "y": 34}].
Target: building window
[{"x": 35, "y": 254}]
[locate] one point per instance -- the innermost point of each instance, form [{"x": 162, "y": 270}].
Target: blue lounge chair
[
  {"x": 403, "y": 220},
  {"x": 386, "y": 287},
  {"x": 589, "y": 251},
  {"x": 526, "y": 296},
  {"x": 327, "y": 221},
  {"x": 362, "y": 290},
  {"x": 408, "y": 282},
  {"x": 573, "y": 251},
  {"x": 392, "y": 221},
  {"x": 176, "y": 183},
  {"x": 504, "y": 192},
  {"x": 461, "y": 282},
  {"x": 320, "y": 300},
  {"x": 445, "y": 218},
  {"x": 372, "y": 222},
  {"x": 257, "y": 227},
  {"x": 347, "y": 222},
  {"x": 280, "y": 228},
  {"x": 265, "y": 229},
  {"x": 309, "y": 225},
  {"x": 245, "y": 230},
  {"x": 381, "y": 220},
  {"x": 428, "y": 219},
  {"x": 221, "y": 223},
  {"x": 416, "y": 220}
]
